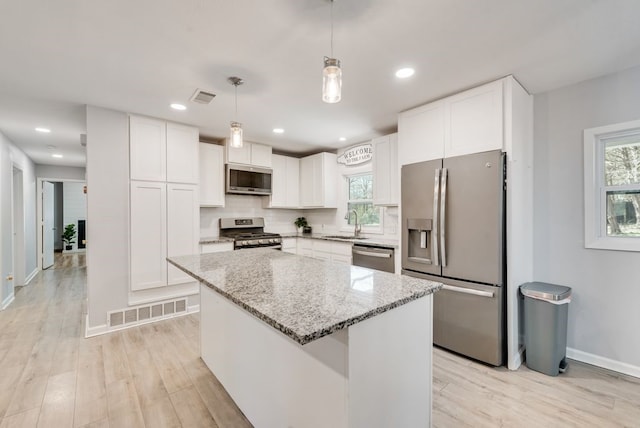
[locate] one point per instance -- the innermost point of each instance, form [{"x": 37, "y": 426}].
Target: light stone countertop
[
  {"x": 304, "y": 298},
  {"x": 215, "y": 240},
  {"x": 373, "y": 242}
]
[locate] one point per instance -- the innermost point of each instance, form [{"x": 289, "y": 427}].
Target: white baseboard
[
  {"x": 105, "y": 328},
  {"x": 31, "y": 276},
  {"x": 8, "y": 300},
  {"x": 606, "y": 363},
  {"x": 94, "y": 331}
]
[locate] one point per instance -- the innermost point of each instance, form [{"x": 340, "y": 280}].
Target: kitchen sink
[{"x": 343, "y": 237}]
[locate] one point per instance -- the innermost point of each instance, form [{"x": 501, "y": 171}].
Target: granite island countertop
[{"x": 304, "y": 298}]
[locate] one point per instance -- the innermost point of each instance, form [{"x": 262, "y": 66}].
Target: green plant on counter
[{"x": 301, "y": 222}]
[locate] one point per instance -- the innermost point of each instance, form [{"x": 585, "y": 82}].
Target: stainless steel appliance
[
  {"x": 453, "y": 231},
  {"x": 249, "y": 233},
  {"x": 373, "y": 257},
  {"x": 248, "y": 180}
]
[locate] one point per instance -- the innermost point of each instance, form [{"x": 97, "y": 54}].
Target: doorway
[{"x": 62, "y": 210}]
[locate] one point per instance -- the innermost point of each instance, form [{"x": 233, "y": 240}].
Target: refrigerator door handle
[
  {"x": 467, "y": 291},
  {"x": 443, "y": 216},
  {"x": 434, "y": 232}
]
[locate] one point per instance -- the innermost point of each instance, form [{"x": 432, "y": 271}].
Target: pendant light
[
  {"x": 331, "y": 74},
  {"x": 235, "y": 131}
]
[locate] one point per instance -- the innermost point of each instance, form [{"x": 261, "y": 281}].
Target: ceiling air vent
[{"x": 202, "y": 97}]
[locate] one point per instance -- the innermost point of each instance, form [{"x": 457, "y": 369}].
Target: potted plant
[
  {"x": 301, "y": 222},
  {"x": 69, "y": 235}
]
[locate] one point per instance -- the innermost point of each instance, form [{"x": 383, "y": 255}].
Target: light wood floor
[{"x": 152, "y": 375}]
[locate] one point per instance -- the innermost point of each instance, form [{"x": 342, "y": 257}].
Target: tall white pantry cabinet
[{"x": 164, "y": 205}]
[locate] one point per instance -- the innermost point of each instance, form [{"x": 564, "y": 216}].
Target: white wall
[
  {"x": 74, "y": 206},
  {"x": 276, "y": 220},
  {"x": 11, "y": 156},
  {"x": 604, "y": 316},
  {"x": 60, "y": 172},
  {"x": 107, "y": 213}
]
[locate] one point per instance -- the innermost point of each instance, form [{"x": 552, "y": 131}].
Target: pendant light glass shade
[
  {"x": 331, "y": 81},
  {"x": 235, "y": 137},
  {"x": 235, "y": 130}
]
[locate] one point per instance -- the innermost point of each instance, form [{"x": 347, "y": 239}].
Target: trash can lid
[{"x": 545, "y": 291}]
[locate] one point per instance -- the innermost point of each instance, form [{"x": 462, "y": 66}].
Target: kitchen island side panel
[
  {"x": 374, "y": 374},
  {"x": 274, "y": 381}
]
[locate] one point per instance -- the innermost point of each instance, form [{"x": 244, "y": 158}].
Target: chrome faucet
[{"x": 357, "y": 228}]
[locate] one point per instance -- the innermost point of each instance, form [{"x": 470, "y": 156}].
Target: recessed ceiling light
[
  {"x": 403, "y": 73},
  {"x": 56, "y": 155},
  {"x": 342, "y": 139},
  {"x": 278, "y": 130},
  {"x": 44, "y": 130},
  {"x": 178, "y": 106}
]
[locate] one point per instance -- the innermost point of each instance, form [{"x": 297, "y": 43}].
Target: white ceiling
[{"x": 140, "y": 56}]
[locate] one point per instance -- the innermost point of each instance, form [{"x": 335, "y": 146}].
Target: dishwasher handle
[{"x": 384, "y": 255}]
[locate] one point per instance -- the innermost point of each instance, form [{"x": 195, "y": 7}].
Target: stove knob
[
  {"x": 244, "y": 243},
  {"x": 261, "y": 241}
]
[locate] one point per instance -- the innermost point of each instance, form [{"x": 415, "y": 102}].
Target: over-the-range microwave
[{"x": 248, "y": 180}]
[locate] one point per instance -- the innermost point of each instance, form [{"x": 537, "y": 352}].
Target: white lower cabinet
[
  {"x": 217, "y": 247},
  {"x": 183, "y": 227},
  {"x": 325, "y": 250},
  {"x": 148, "y": 235},
  {"x": 164, "y": 222},
  {"x": 289, "y": 245}
]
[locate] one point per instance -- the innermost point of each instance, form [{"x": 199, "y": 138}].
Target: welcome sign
[{"x": 356, "y": 155}]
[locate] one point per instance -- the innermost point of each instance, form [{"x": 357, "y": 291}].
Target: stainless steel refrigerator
[{"x": 453, "y": 231}]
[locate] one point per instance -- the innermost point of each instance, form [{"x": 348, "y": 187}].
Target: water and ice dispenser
[{"x": 419, "y": 240}]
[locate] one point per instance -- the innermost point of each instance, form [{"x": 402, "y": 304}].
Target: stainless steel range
[{"x": 249, "y": 233}]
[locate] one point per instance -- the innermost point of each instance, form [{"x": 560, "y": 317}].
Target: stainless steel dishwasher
[{"x": 373, "y": 257}]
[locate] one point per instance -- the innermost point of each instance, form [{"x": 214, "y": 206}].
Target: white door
[{"x": 48, "y": 227}]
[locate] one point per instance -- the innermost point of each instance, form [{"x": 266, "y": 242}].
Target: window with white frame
[
  {"x": 612, "y": 187},
  {"x": 360, "y": 199}
]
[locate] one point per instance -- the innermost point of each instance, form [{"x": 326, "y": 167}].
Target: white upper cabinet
[
  {"x": 182, "y": 154},
  {"x": 421, "y": 133},
  {"x": 469, "y": 122},
  {"x": 147, "y": 148},
  {"x": 318, "y": 181},
  {"x": 211, "y": 175},
  {"x": 385, "y": 170},
  {"x": 183, "y": 227},
  {"x": 161, "y": 151},
  {"x": 474, "y": 120},
  {"x": 249, "y": 154},
  {"x": 261, "y": 155},
  {"x": 240, "y": 155},
  {"x": 285, "y": 182}
]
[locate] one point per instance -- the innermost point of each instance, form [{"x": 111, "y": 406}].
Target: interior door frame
[
  {"x": 39, "y": 220},
  {"x": 18, "y": 227}
]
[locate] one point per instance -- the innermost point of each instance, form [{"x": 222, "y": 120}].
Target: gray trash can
[{"x": 546, "y": 308}]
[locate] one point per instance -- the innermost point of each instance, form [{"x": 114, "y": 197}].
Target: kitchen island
[{"x": 299, "y": 342}]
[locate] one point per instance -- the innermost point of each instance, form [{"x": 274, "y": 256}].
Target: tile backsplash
[
  {"x": 276, "y": 220},
  {"x": 281, "y": 220}
]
